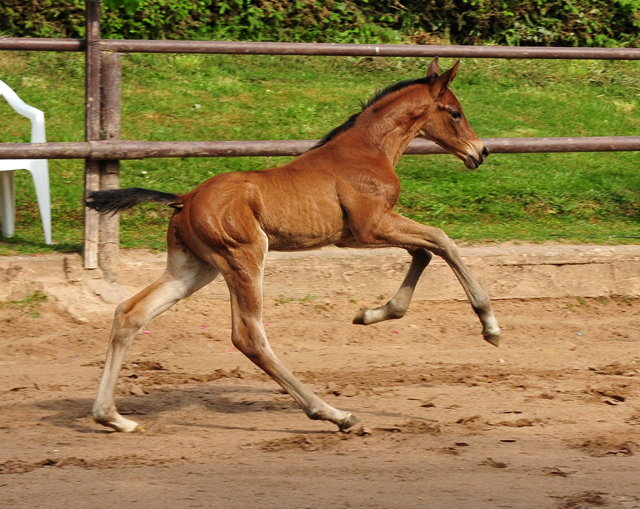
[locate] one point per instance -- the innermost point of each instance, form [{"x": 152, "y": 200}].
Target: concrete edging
[{"x": 506, "y": 271}]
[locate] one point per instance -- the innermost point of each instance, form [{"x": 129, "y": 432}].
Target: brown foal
[{"x": 341, "y": 192}]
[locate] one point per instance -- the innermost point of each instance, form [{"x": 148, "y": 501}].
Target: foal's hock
[{"x": 341, "y": 192}]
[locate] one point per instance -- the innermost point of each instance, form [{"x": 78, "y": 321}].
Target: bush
[{"x": 510, "y": 22}]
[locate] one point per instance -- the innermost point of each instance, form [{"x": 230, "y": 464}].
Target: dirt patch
[
  {"x": 551, "y": 419},
  {"x": 306, "y": 443},
  {"x": 325, "y": 441},
  {"x": 23, "y": 467},
  {"x": 607, "y": 446},
  {"x": 584, "y": 501}
]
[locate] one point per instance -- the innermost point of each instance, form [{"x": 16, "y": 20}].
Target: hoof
[
  {"x": 120, "y": 424},
  {"x": 359, "y": 318},
  {"x": 348, "y": 421},
  {"x": 494, "y": 339}
]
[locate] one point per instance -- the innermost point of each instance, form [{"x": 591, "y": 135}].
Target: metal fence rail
[
  {"x": 321, "y": 49},
  {"x": 121, "y": 150}
]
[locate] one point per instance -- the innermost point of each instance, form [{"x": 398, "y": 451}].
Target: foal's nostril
[{"x": 485, "y": 151}]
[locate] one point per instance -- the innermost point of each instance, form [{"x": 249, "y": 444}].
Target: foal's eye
[{"x": 456, "y": 114}]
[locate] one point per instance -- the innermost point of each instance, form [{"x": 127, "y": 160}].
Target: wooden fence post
[
  {"x": 111, "y": 74},
  {"x": 92, "y": 129}
]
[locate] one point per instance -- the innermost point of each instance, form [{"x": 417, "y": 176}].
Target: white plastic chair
[{"x": 39, "y": 169}]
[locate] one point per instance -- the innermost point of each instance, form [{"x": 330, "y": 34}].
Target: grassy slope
[{"x": 581, "y": 197}]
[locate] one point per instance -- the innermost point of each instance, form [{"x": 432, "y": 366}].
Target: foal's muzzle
[{"x": 474, "y": 161}]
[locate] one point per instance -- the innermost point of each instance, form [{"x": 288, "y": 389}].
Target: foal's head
[{"x": 445, "y": 123}]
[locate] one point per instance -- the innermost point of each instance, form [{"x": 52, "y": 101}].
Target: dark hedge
[{"x": 529, "y": 22}]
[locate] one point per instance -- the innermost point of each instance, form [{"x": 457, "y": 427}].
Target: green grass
[
  {"x": 591, "y": 197},
  {"x": 28, "y": 304}
]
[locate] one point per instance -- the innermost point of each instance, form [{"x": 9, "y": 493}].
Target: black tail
[{"x": 116, "y": 200}]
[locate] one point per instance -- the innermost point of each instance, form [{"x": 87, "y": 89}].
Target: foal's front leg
[
  {"x": 398, "y": 305},
  {"x": 391, "y": 229}
]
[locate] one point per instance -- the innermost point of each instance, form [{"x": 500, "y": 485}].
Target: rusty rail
[
  {"x": 121, "y": 150},
  {"x": 321, "y": 49},
  {"x": 41, "y": 44}
]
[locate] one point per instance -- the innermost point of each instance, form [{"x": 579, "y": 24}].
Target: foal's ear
[
  {"x": 434, "y": 69},
  {"x": 440, "y": 85}
]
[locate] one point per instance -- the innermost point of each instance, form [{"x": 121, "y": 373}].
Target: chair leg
[
  {"x": 40, "y": 173},
  {"x": 7, "y": 203}
]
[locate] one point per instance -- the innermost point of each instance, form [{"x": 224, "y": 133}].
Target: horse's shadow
[{"x": 74, "y": 413}]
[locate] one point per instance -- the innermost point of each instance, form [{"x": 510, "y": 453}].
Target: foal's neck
[{"x": 389, "y": 128}]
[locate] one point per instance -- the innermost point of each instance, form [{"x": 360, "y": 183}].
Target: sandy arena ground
[{"x": 551, "y": 419}]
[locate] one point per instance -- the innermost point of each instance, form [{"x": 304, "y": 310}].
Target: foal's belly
[
  {"x": 306, "y": 230},
  {"x": 302, "y": 243}
]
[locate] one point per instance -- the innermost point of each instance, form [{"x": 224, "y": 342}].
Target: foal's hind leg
[
  {"x": 243, "y": 272},
  {"x": 185, "y": 274},
  {"x": 398, "y": 305}
]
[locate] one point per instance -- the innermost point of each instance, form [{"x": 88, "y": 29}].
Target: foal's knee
[
  {"x": 126, "y": 322},
  {"x": 250, "y": 340},
  {"x": 443, "y": 244}
]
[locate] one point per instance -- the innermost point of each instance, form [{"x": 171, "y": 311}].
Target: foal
[{"x": 340, "y": 192}]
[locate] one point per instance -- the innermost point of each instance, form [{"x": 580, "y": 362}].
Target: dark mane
[{"x": 375, "y": 98}]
